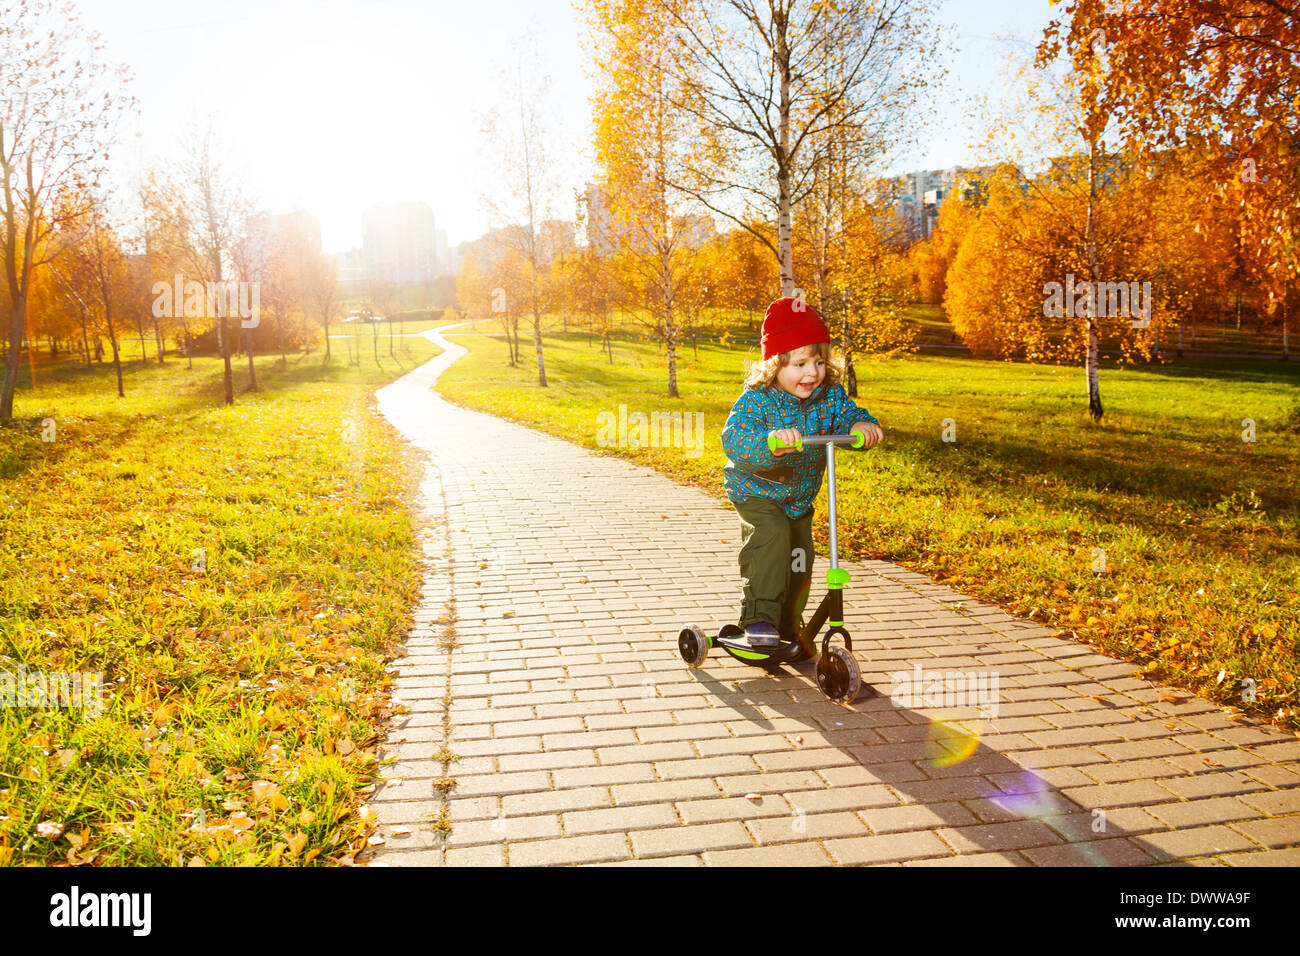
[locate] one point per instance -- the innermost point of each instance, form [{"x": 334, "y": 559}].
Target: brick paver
[{"x": 544, "y": 659}]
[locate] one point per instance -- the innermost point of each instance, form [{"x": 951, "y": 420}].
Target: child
[{"x": 793, "y": 391}]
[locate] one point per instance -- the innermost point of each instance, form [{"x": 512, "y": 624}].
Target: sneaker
[{"x": 762, "y": 634}]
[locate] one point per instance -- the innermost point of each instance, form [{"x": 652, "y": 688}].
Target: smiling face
[{"x": 803, "y": 373}]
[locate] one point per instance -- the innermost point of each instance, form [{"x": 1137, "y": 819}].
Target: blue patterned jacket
[{"x": 794, "y": 479}]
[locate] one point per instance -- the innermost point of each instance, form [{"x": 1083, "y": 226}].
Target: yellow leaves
[
  {"x": 240, "y": 821},
  {"x": 295, "y": 844},
  {"x": 79, "y": 854},
  {"x": 263, "y": 790},
  {"x": 37, "y": 740},
  {"x": 306, "y": 818},
  {"x": 1171, "y": 698},
  {"x": 188, "y": 766},
  {"x": 68, "y": 759},
  {"x": 345, "y": 746}
]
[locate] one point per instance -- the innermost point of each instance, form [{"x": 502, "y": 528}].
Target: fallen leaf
[
  {"x": 376, "y": 840},
  {"x": 1170, "y": 698},
  {"x": 263, "y": 790},
  {"x": 753, "y": 796},
  {"x": 401, "y": 831},
  {"x": 345, "y": 746},
  {"x": 49, "y": 829},
  {"x": 296, "y": 843}
]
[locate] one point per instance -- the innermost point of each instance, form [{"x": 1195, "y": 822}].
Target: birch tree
[
  {"x": 769, "y": 78},
  {"x": 522, "y": 136}
]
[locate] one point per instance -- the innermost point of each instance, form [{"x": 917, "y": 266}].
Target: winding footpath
[{"x": 544, "y": 662}]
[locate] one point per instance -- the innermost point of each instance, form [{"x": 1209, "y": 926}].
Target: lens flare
[{"x": 950, "y": 742}]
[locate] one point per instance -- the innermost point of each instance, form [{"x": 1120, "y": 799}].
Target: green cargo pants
[{"x": 776, "y": 557}]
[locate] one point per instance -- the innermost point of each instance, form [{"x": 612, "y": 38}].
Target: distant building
[
  {"x": 441, "y": 254},
  {"x": 295, "y": 235},
  {"x": 604, "y": 234},
  {"x": 400, "y": 244},
  {"x": 555, "y": 237},
  {"x": 695, "y": 231},
  {"x": 352, "y": 271},
  {"x": 600, "y": 230},
  {"x": 917, "y": 196}
]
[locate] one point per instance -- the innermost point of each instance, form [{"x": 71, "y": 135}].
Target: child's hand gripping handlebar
[{"x": 854, "y": 440}]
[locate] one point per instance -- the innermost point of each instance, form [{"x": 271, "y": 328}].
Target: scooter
[{"x": 837, "y": 672}]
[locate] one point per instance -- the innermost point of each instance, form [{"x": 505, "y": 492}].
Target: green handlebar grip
[
  {"x": 859, "y": 440},
  {"x": 773, "y": 443}
]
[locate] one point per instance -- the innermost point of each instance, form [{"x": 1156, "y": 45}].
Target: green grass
[
  {"x": 1198, "y": 529},
  {"x": 239, "y": 576}
]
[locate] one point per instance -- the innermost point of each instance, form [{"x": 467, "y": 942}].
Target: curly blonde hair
[{"x": 763, "y": 373}]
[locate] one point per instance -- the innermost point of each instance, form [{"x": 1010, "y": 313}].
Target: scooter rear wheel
[
  {"x": 692, "y": 645},
  {"x": 838, "y": 677}
]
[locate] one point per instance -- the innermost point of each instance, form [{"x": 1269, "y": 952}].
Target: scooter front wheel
[
  {"x": 838, "y": 677},
  {"x": 692, "y": 645}
]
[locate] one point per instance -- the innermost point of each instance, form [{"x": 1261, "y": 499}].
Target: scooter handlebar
[{"x": 854, "y": 440}]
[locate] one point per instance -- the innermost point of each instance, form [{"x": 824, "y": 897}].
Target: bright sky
[{"x": 335, "y": 105}]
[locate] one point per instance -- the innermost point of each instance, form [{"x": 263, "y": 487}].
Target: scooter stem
[{"x": 830, "y": 492}]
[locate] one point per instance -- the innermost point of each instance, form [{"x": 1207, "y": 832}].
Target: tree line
[{"x": 1165, "y": 166}]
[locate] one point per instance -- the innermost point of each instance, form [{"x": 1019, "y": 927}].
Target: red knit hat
[{"x": 791, "y": 324}]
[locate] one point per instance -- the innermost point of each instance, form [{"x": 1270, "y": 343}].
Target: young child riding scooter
[{"x": 794, "y": 391}]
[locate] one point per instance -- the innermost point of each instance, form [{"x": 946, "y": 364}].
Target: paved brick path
[{"x": 563, "y": 577}]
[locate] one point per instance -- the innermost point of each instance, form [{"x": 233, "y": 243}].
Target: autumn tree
[
  {"x": 1072, "y": 219},
  {"x": 521, "y": 135},
  {"x": 93, "y": 275},
  {"x": 642, "y": 140},
  {"x": 1223, "y": 78},
  {"x": 58, "y": 105},
  {"x": 320, "y": 285}
]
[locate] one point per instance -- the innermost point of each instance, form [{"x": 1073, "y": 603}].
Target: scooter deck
[{"x": 732, "y": 640}]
